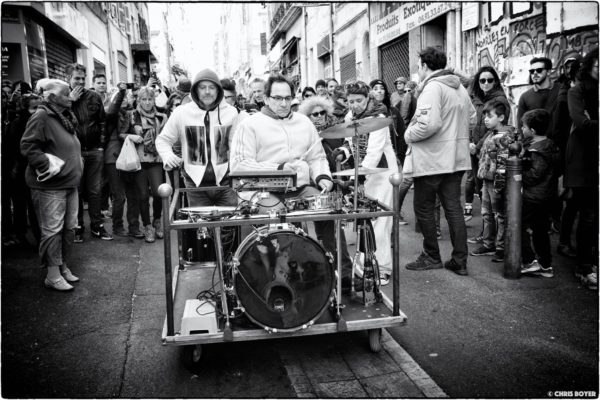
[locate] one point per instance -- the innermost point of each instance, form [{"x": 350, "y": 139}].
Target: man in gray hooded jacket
[
  {"x": 438, "y": 140},
  {"x": 204, "y": 128}
]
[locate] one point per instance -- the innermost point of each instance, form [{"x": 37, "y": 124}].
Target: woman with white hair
[{"x": 53, "y": 173}]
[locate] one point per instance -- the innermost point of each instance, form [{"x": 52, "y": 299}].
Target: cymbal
[
  {"x": 360, "y": 126},
  {"x": 361, "y": 171}
]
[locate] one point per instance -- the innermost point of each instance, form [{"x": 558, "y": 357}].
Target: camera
[{"x": 130, "y": 85}]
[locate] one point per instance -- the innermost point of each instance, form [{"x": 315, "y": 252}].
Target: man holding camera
[{"x": 88, "y": 108}]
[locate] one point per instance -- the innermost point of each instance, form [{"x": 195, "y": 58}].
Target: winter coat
[
  {"x": 147, "y": 149},
  {"x": 408, "y": 106},
  {"x": 539, "y": 180},
  {"x": 264, "y": 142},
  {"x": 438, "y": 135},
  {"x": 582, "y": 147},
  {"x": 89, "y": 110},
  {"x": 113, "y": 119},
  {"x": 493, "y": 156},
  {"x": 203, "y": 154},
  {"x": 561, "y": 122},
  {"x": 479, "y": 130},
  {"x": 44, "y": 133}
]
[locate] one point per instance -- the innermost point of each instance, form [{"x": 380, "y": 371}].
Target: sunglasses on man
[{"x": 536, "y": 70}]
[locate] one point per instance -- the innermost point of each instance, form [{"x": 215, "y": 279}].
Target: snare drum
[
  {"x": 197, "y": 244},
  {"x": 283, "y": 279}
]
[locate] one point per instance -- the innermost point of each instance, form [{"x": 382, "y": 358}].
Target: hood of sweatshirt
[
  {"x": 442, "y": 76},
  {"x": 206, "y": 75}
]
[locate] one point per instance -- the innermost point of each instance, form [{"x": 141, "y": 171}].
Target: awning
[
  {"x": 289, "y": 44},
  {"x": 141, "y": 48}
]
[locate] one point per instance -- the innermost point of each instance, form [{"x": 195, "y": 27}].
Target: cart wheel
[
  {"x": 375, "y": 340},
  {"x": 192, "y": 355}
]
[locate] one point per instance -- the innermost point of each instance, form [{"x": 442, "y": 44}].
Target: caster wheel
[
  {"x": 375, "y": 340},
  {"x": 191, "y": 355}
]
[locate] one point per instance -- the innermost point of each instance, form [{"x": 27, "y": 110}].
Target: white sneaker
[
  {"x": 384, "y": 279},
  {"x": 534, "y": 266},
  {"x": 590, "y": 280}
]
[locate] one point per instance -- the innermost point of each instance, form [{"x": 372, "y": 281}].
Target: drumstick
[{"x": 303, "y": 157}]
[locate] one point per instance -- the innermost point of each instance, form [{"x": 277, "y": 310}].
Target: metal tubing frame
[{"x": 169, "y": 224}]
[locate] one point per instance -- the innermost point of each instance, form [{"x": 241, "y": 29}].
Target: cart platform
[{"x": 194, "y": 278}]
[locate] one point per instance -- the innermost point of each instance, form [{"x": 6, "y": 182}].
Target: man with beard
[
  {"x": 88, "y": 108},
  {"x": 204, "y": 128},
  {"x": 543, "y": 94}
]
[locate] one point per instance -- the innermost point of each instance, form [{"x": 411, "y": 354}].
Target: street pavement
[{"x": 475, "y": 336}]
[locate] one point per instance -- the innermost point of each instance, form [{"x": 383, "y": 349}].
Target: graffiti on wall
[
  {"x": 527, "y": 37},
  {"x": 559, "y": 48},
  {"x": 491, "y": 45}
]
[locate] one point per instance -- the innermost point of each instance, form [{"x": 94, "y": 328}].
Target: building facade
[{"x": 40, "y": 38}]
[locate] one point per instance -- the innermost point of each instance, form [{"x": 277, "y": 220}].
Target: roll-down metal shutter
[{"x": 394, "y": 61}]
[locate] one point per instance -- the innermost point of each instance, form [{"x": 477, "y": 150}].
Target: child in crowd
[
  {"x": 492, "y": 172},
  {"x": 540, "y": 157}
]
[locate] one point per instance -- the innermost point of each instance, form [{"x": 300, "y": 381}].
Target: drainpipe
[
  {"x": 331, "y": 52},
  {"x": 451, "y": 39},
  {"x": 459, "y": 60},
  {"x": 113, "y": 82},
  {"x": 304, "y": 72}
]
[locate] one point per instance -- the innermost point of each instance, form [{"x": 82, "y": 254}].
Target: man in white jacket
[
  {"x": 204, "y": 127},
  {"x": 277, "y": 138},
  {"x": 438, "y": 140}
]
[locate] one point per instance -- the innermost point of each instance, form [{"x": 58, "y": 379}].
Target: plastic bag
[{"x": 128, "y": 159}]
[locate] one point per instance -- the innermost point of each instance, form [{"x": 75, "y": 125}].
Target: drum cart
[{"x": 183, "y": 281}]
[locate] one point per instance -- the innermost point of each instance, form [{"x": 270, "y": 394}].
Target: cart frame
[{"x": 172, "y": 275}]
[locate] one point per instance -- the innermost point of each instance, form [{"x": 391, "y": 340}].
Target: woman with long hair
[
  {"x": 485, "y": 87},
  {"x": 53, "y": 173},
  {"x": 144, "y": 126},
  {"x": 380, "y": 92}
]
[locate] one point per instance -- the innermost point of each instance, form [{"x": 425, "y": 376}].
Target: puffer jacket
[
  {"x": 438, "y": 134},
  {"x": 539, "y": 180},
  {"x": 493, "y": 156}
]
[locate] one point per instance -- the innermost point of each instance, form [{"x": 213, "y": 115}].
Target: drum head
[{"x": 284, "y": 280}]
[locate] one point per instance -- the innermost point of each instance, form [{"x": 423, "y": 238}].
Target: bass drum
[{"x": 284, "y": 280}]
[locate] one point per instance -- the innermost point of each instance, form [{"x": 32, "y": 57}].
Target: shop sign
[
  {"x": 470, "y": 16},
  {"x": 70, "y": 19},
  {"x": 406, "y": 17},
  {"x": 12, "y": 62}
]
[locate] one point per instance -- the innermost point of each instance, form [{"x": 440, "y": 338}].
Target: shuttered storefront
[
  {"x": 58, "y": 55},
  {"x": 394, "y": 61},
  {"x": 348, "y": 67}
]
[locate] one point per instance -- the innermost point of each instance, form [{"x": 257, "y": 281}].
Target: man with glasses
[
  {"x": 543, "y": 94},
  {"x": 278, "y": 139}
]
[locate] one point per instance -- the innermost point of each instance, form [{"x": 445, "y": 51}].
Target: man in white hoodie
[
  {"x": 204, "y": 127},
  {"x": 277, "y": 138},
  {"x": 438, "y": 140}
]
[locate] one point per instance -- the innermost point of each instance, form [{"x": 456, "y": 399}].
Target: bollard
[
  {"x": 396, "y": 180},
  {"x": 514, "y": 198}
]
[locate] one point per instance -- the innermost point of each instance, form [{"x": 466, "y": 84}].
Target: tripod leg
[{"x": 227, "y": 332}]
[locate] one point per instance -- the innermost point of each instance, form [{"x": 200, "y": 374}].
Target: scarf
[
  {"x": 149, "y": 125},
  {"x": 67, "y": 118}
]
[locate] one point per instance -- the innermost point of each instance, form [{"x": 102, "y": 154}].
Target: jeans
[
  {"x": 447, "y": 187},
  {"x": 57, "y": 215},
  {"x": 129, "y": 181},
  {"x": 493, "y": 213},
  {"x": 91, "y": 183},
  {"x": 537, "y": 217},
  {"x": 216, "y": 197},
  {"x": 150, "y": 174},
  {"x": 567, "y": 221},
  {"x": 156, "y": 176},
  {"x": 407, "y": 182},
  {"x": 586, "y": 201},
  {"x": 325, "y": 229},
  {"x": 472, "y": 183},
  {"x": 118, "y": 192}
]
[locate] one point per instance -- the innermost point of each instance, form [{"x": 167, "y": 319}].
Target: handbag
[{"x": 128, "y": 159}]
